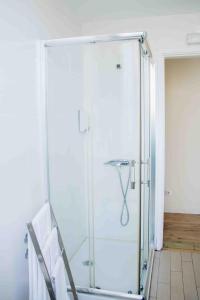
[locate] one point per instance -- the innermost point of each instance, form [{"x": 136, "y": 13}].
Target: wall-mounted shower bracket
[{"x": 133, "y": 182}]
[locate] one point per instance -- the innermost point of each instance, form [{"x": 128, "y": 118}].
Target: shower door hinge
[
  {"x": 146, "y": 182},
  {"x": 145, "y": 265}
]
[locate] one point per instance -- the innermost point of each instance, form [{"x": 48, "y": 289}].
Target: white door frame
[{"x": 160, "y": 138}]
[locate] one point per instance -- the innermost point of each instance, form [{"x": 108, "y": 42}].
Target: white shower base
[{"x": 115, "y": 268}]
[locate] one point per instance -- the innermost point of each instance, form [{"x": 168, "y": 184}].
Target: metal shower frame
[{"x": 42, "y": 46}]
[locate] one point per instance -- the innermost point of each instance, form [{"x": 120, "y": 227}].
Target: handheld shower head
[{"x": 118, "y": 163}]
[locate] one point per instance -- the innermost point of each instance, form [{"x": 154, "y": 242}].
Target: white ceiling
[{"x": 88, "y": 10}]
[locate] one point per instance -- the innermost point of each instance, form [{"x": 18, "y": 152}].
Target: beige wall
[{"x": 183, "y": 135}]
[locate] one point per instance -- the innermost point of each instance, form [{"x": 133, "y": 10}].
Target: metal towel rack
[{"x": 42, "y": 263}]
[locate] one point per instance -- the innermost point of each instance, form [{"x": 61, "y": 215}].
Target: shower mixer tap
[{"x": 124, "y": 163}]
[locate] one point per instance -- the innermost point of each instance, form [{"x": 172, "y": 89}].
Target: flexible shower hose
[{"x": 125, "y": 209}]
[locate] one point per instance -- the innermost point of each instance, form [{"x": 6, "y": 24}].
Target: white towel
[
  {"x": 51, "y": 250},
  {"x": 42, "y": 227},
  {"x": 42, "y": 224},
  {"x": 33, "y": 271},
  {"x": 43, "y": 292},
  {"x": 37, "y": 286},
  {"x": 59, "y": 278}
]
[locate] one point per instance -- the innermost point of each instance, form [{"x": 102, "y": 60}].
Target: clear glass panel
[
  {"x": 67, "y": 151},
  {"x": 93, "y": 117},
  {"x": 115, "y": 133}
]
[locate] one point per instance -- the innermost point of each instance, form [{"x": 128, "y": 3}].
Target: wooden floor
[
  {"x": 182, "y": 231},
  {"x": 176, "y": 276}
]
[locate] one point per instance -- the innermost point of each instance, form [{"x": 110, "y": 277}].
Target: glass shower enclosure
[{"x": 99, "y": 157}]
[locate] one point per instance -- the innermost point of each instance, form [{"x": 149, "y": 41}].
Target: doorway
[{"x": 182, "y": 153}]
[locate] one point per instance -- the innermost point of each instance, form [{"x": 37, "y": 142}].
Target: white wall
[
  {"x": 182, "y": 132},
  {"x": 22, "y": 192},
  {"x": 166, "y": 35},
  {"x": 29, "y": 20}
]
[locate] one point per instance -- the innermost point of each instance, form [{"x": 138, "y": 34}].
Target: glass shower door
[
  {"x": 115, "y": 148},
  {"x": 67, "y": 128}
]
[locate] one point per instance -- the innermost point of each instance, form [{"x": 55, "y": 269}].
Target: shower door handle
[{"x": 83, "y": 121}]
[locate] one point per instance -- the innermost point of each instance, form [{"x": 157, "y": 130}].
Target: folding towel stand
[{"x": 42, "y": 263}]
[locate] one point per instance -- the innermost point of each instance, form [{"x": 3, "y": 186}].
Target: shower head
[{"x": 118, "y": 163}]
